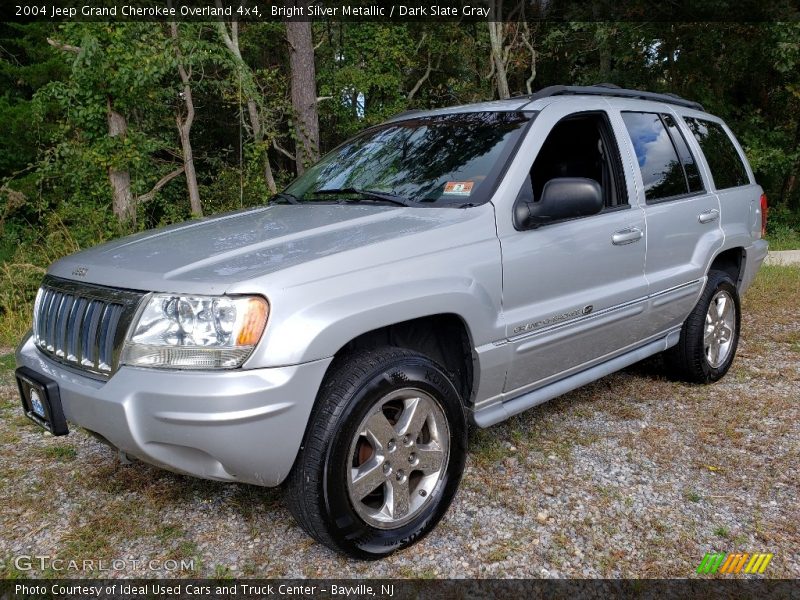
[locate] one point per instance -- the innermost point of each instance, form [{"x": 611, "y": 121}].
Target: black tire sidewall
[
  {"x": 718, "y": 281},
  {"x": 351, "y": 533}
]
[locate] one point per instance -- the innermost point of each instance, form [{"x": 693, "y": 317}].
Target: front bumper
[{"x": 238, "y": 425}]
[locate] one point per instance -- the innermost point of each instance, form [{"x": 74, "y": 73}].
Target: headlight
[{"x": 196, "y": 332}]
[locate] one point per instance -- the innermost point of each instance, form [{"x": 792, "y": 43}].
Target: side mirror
[{"x": 562, "y": 198}]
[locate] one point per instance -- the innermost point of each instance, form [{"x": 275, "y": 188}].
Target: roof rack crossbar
[{"x": 606, "y": 89}]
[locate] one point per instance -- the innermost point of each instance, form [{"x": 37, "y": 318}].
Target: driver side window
[{"x": 582, "y": 145}]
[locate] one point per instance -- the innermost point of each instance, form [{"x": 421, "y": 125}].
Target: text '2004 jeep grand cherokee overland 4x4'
[{"x": 448, "y": 266}]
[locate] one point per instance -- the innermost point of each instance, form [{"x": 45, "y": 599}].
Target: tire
[
  {"x": 349, "y": 484},
  {"x": 693, "y": 359}
]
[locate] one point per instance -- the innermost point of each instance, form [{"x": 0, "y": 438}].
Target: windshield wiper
[
  {"x": 367, "y": 195},
  {"x": 288, "y": 198}
]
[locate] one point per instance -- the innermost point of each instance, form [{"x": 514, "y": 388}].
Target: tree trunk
[
  {"x": 304, "y": 89},
  {"x": 122, "y": 202},
  {"x": 231, "y": 40},
  {"x": 185, "y": 127},
  {"x": 529, "y": 42},
  {"x": 496, "y": 38},
  {"x": 258, "y": 137}
]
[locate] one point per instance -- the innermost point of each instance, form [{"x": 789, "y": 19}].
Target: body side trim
[{"x": 501, "y": 411}]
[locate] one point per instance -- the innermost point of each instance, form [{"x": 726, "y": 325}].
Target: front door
[{"x": 574, "y": 292}]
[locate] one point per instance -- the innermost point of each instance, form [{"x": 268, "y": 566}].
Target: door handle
[
  {"x": 708, "y": 216},
  {"x": 628, "y": 235}
]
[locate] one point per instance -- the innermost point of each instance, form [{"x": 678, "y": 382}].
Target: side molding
[{"x": 491, "y": 415}]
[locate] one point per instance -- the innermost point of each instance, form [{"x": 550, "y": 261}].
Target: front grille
[{"x": 83, "y": 325}]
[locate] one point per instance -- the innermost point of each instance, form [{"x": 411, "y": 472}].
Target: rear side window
[
  {"x": 663, "y": 174},
  {"x": 693, "y": 179},
  {"x": 726, "y": 165}
]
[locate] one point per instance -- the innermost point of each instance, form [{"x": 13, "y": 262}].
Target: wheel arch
[
  {"x": 730, "y": 261},
  {"x": 443, "y": 337}
]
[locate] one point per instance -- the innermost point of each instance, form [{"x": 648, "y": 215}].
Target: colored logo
[{"x": 719, "y": 562}]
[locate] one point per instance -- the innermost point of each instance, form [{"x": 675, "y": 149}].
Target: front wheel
[
  {"x": 383, "y": 453},
  {"x": 710, "y": 335}
]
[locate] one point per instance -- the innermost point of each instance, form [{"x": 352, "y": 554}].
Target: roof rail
[{"x": 609, "y": 89}]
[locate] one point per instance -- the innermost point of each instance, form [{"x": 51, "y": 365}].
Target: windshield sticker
[{"x": 458, "y": 188}]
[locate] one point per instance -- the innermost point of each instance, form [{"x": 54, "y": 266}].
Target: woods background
[{"x": 111, "y": 128}]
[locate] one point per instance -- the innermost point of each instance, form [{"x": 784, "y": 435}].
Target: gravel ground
[{"x": 632, "y": 476}]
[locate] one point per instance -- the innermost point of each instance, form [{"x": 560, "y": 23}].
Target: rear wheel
[
  {"x": 383, "y": 453},
  {"x": 710, "y": 335}
]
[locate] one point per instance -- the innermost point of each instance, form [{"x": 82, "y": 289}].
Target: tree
[
  {"x": 184, "y": 121},
  {"x": 304, "y": 88},
  {"x": 112, "y": 69},
  {"x": 509, "y": 42},
  {"x": 498, "y": 51},
  {"x": 230, "y": 38},
  {"x": 99, "y": 123},
  {"x": 123, "y": 203}
]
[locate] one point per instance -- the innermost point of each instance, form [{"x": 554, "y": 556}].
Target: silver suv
[{"x": 447, "y": 267}]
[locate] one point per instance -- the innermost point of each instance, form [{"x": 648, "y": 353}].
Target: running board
[{"x": 491, "y": 415}]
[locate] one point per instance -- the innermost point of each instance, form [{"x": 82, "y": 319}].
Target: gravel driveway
[{"x": 632, "y": 476}]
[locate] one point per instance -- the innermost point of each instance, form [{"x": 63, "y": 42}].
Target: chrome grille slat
[
  {"x": 36, "y": 308},
  {"x": 99, "y": 337},
  {"x": 48, "y": 299},
  {"x": 90, "y": 335},
  {"x": 51, "y": 321},
  {"x": 60, "y": 333},
  {"x": 74, "y": 328},
  {"x": 83, "y": 325},
  {"x": 114, "y": 312}
]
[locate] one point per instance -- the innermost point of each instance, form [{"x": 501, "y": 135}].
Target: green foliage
[
  {"x": 62, "y": 232},
  {"x": 783, "y": 229},
  {"x": 56, "y": 152}
]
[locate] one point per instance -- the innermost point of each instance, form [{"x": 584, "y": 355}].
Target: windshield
[{"x": 453, "y": 159}]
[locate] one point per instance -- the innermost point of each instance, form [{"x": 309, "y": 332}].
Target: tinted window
[
  {"x": 661, "y": 169},
  {"x": 689, "y": 164},
  {"x": 445, "y": 159},
  {"x": 581, "y": 146},
  {"x": 726, "y": 167}
]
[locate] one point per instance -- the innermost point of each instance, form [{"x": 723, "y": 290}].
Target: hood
[{"x": 208, "y": 255}]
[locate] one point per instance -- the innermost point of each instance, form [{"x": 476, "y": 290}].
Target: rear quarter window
[{"x": 727, "y": 168}]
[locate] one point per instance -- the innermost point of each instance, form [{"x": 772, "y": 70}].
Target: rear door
[
  {"x": 739, "y": 196},
  {"x": 682, "y": 214}
]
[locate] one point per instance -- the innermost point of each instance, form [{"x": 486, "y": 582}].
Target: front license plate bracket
[{"x": 41, "y": 401}]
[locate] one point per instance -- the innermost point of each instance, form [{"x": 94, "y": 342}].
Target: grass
[
  {"x": 222, "y": 572},
  {"x": 722, "y": 532},
  {"x": 775, "y": 288},
  {"x": 9, "y": 437},
  {"x": 61, "y": 453},
  {"x": 486, "y": 447},
  {"x": 784, "y": 238},
  {"x": 504, "y": 549},
  {"x": 168, "y": 532},
  {"x": 96, "y": 532},
  {"x": 7, "y": 361},
  {"x": 407, "y": 572}
]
